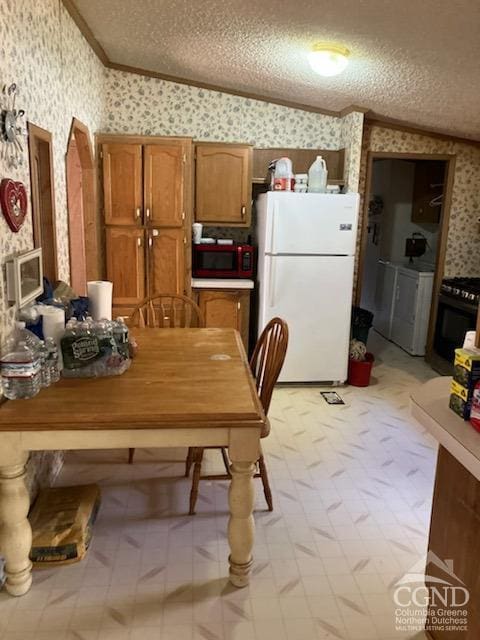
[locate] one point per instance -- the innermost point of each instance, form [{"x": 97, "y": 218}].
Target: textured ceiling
[{"x": 412, "y": 60}]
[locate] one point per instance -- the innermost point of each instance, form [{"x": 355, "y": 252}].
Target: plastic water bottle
[
  {"x": 44, "y": 368},
  {"x": 52, "y": 360},
  {"x": 120, "y": 333},
  {"x": 20, "y": 371},
  {"x": 317, "y": 176},
  {"x": 22, "y": 334}
]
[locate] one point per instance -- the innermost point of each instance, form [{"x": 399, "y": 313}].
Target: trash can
[
  {"x": 359, "y": 371},
  {"x": 361, "y": 323}
]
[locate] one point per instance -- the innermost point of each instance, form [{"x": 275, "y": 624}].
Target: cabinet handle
[
  {"x": 138, "y": 213},
  {"x": 139, "y": 242},
  {"x": 150, "y": 242},
  {"x": 184, "y": 239},
  {"x": 243, "y": 210},
  {"x": 238, "y": 305},
  {"x": 147, "y": 213}
]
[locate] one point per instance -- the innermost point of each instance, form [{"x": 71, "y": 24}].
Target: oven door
[
  {"x": 215, "y": 261},
  {"x": 454, "y": 319}
]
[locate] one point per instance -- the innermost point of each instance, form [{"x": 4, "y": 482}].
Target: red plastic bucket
[{"x": 359, "y": 371}]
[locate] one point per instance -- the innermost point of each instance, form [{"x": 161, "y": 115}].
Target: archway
[{"x": 82, "y": 231}]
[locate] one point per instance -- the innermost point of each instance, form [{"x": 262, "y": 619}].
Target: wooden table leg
[
  {"x": 15, "y": 530},
  {"x": 241, "y": 526}
]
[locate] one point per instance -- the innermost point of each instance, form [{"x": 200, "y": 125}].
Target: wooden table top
[{"x": 180, "y": 378}]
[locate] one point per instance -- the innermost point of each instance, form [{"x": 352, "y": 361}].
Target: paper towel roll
[
  {"x": 53, "y": 326},
  {"x": 100, "y": 299}
]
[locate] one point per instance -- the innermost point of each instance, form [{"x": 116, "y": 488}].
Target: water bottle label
[
  {"x": 79, "y": 351},
  {"x": 20, "y": 369},
  {"x": 85, "y": 348}
]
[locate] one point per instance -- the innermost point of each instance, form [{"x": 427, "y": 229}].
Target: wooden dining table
[{"x": 185, "y": 388}]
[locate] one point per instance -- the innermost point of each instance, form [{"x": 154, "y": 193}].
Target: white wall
[
  {"x": 396, "y": 225},
  {"x": 379, "y": 187}
]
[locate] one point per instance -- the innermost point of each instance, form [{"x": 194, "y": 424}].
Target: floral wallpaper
[
  {"x": 463, "y": 242},
  {"x": 150, "y": 106},
  {"x": 39, "y": 47},
  {"x": 351, "y": 133}
]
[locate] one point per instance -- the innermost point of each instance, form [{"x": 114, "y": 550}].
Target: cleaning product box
[
  {"x": 467, "y": 368},
  {"x": 460, "y": 400}
]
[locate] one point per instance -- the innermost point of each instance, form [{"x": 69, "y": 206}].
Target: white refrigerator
[{"x": 306, "y": 252}]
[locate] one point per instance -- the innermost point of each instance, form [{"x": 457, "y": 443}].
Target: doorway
[
  {"x": 407, "y": 203},
  {"x": 82, "y": 232},
  {"x": 43, "y": 198}
]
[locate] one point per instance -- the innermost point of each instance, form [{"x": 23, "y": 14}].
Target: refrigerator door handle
[
  {"x": 272, "y": 229},
  {"x": 271, "y": 297}
]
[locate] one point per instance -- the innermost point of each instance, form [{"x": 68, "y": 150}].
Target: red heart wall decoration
[{"x": 13, "y": 199}]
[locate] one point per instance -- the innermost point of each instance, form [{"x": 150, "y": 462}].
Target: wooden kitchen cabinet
[
  {"x": 223, "y": 184},
  {"x": 226, "y": 309},
  {"x": 126, "y": 264},
  {"x": 164, "y": 180},
  {"x": 166, "y": 261},
  {"x": 148, "y": 215},
  {"x": 122, "y": 183},
  {"x": 428, "y": 188}
]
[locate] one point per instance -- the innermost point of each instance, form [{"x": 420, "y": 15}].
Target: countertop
[
  {"x": 221, "y": 283},
  {"x": 422, "y": 268},
  {"x": 430, "y": 407}
]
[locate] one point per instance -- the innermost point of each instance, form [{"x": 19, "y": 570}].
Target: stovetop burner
[{"x": 464, "y": 288}]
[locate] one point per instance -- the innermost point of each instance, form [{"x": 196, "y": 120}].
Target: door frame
[
  {"x": 80, "y": 133},
  {"x": 35, "y": 134},
  {"x": 450, "y": 161}
]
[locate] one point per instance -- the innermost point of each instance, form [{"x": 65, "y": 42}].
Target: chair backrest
[
  {"x": 268, "y": 357},
  {"x": 166, "y": 311}
]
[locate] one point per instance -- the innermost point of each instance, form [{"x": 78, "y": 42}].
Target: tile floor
[{"x": 352, "y": 491}]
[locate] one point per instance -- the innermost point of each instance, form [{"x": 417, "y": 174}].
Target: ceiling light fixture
[{"x": 328, "y": 60}]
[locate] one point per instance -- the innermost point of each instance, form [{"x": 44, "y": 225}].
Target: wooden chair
[
  {"x": 165, "y": 311},
  {"x": 266, "y": 363}
]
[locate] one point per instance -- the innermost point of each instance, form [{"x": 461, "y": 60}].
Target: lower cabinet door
[
  {"x": 166, "y": 261},
  {"x": 126, "y": 264},
  {"x": 226, "y": 309}
]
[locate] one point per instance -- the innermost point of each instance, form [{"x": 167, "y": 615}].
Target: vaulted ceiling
[{"x": 411, "y": 60}]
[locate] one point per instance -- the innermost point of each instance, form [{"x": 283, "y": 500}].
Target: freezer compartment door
[
  {"x": 311, "y": 223},
  {"x": 313, "y": 294}
]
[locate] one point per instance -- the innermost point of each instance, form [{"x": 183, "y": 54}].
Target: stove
[
  {"x": 466, "y": 289},
  {"x": 458, "y": 304}
]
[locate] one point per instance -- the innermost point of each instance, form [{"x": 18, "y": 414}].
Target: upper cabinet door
[
  {"x": 223, "y": 188},
  {"x": 122, "y": 183},
  {"x": 428, "y": 190},
  {"x": 166, "y": 261},
  {"x": 165, "y": 165}
]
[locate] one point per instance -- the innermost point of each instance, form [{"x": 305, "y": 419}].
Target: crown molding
[
  {"x": 352, "y": 108},
  {"x": 86, "y": 31}
]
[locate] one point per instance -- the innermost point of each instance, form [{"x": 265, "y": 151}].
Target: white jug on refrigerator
[{"x": 317, "y": 176}]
